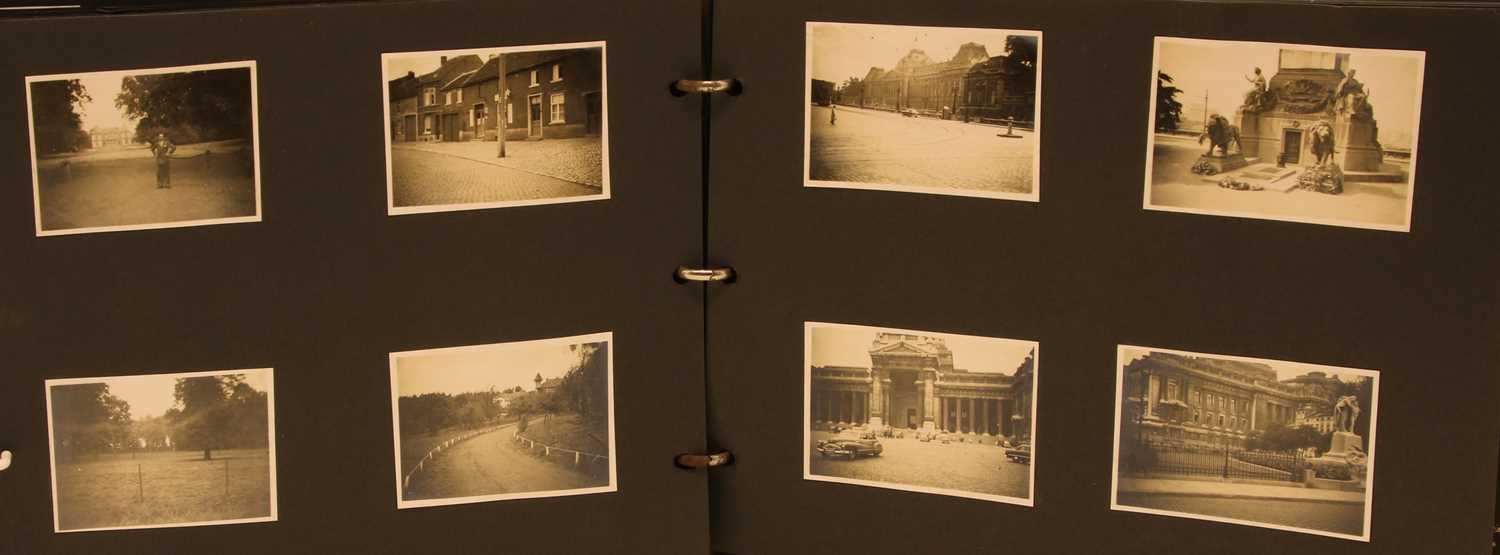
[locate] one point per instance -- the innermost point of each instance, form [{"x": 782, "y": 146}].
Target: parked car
[
  {"x": 1020, "y": 453},
  {"x": 908, "y": 112},
  {"x": 851, "y": 444}
]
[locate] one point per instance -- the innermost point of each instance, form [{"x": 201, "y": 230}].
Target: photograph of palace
[
  {"x": 1261, "y": 442},
  {"x": 162, "y": 450},
  {"x": 503, "y": 421},
  {"x": 1285, "y": 132},
  {"x": 940, "y": 110},
  {"x": 920, "y": 411},
  {"x": 444, "y": 110},
  {"x": 144, "y": 149}
]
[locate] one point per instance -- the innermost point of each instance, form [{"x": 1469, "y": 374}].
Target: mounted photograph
[
  {"x": 456, "y": 139},
  {"x": 504, "y": 421},
  {"x": 162, "y": 450},
  {"x": 144, "y": 149},
  {"x": 1258, "y": 442},
  {"x": 1289, "y": 132},
  {"x": 938, "y": 110},
  {"x": 920, "y": 411}
]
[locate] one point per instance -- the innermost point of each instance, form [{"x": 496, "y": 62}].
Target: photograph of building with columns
[
  {"x": 941, "y": 110},
  {"x": 920, "y": 411},
  {"x": 1288, "y": 132},
  {"x": 1261, "y": 442},
  {"x": 444, "y": 109}
]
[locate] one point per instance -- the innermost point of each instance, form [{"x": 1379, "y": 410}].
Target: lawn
[
  {"x": 569, "y": 431},
  {"x": 170, "y": 487}
]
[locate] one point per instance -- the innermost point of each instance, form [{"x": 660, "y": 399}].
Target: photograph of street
[
  {"x": 443, "y": 113},
  {"x": 1287, "y": 132},
  {"x": 920, "y": 411},
  {"x": 162, "y": 450},
  {"x": 940, "y": 110},
  {"x": 144, "y": 149},
  {"x": 1259, "y": 442},
  {"x": 504, "y": 421}
]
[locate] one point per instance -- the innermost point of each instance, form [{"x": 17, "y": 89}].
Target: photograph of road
[
  {"x": 1260, "y": 442},
  {"x": 144, "y": 149},
  {"x": 162, "y": 450},
  {"x": 938, "y": 110},
  {"x": 503, "y": 421},
  {"x": 920, "y": 411}
]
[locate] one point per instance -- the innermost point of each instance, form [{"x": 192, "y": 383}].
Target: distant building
[
  {"x": 822, "y": 92},
  {"x": 1183, "y": 397},
  {"x": 548, "y": 94},
  {"x": 970, "y": 85},
  {"x": 102, "y": 137}
]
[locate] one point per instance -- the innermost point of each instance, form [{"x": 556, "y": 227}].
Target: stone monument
[
  {"x": 1346, "y": 446},
  {"x": 1312, "y": 89},
  {"x": 1220, "y": 135}
]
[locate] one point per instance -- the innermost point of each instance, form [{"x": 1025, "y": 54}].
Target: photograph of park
[
  {"x": 920, "y": 411},
  {"x": 162, "y": 450},
  {"x": 503, "y": 421},
  {"x": 1259, "y": 442},
  {"x": 1290, "y": 132},
  {"x": 938, "y": 110},
  {"x": 496, "y": 127},
  {"x": 144, "y": 149}
]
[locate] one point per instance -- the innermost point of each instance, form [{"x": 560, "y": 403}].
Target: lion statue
[
  {"x": 1220, "y": 134},
  {"x": 1320, "y": 138}
]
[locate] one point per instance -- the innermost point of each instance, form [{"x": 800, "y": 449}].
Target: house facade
[
  {"x": 970, "y": 85},
  {"x": 1172, "y": 397},
  {"x": 547, "y": 95}
]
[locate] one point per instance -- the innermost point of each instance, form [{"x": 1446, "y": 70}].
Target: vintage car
[
  {"x": 908, "y": 112},
  {"x": 1021, "y": 453},
  {"x": 851, "y": 444}
]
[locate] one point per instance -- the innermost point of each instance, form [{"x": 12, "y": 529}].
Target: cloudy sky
[
  {"x": 480, "y": 368},
  {"x": 850, "y": 346},
  {"x": 844, "y": 50},
  {"x": 1284, "y": 370},
  {"x": 151, "y": 395}
]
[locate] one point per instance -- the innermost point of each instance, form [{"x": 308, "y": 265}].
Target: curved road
[{"x": 491, "y": 464}]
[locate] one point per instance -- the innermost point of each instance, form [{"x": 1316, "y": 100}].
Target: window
[
  {"x": 429, "y": 96},
  {"x": 556, "y": 73},
  {"x": 1171, "y": 389},
  {"x": 534, "y": 82},
  {"x": 557, "y": 108},
  {"x": 510, "y": 114}
]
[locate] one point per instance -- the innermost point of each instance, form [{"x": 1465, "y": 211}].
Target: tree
[
  {"x": 86, "y": 418},
  {"x": 58, "y": 125},
  {"x": 190, "y": 106},
  {"x": 207, "y": 419},
  {"x": 1168, "y": 109},
  {"x": 1020, "y": 56}
]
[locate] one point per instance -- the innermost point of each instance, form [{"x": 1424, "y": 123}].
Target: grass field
[
  {"x": 569, "y": 431},
  {"x": 172, "y": 487}
]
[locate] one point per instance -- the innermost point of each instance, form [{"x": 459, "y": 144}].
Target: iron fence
[{"x": 1208, "y": 460}]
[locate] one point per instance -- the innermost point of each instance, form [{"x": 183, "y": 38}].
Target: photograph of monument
[
  {"x": 162, "y": 450},
  {"x": 920, "y": 411},
  {"x": 1289, "y": 132},
  {"x": 495, "y": 127},
  {"x": 1259, "y": 442},
  {"x": 144, "y": 148},
  {"x": 504, "y": 421},
  {"x": 938, "y": 110}
]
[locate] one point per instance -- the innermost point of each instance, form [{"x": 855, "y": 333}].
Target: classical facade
[
  {"x": 100, "y": 137},
  {"x": 912, "y": 383},
  {"x": 1187, "y": 398},
  {"x": 548, "y": 94},
  {"x": 1311, "y": 89},
  {"x": 970, "y": 85}
]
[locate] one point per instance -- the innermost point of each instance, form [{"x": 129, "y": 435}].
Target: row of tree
[
  {"x": 211, "y": 413},
  {"x": 435, "y": 412}
]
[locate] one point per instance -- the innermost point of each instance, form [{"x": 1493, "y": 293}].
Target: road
[
  {"x": 422, "y": 178},
  {"x": 1341, "y": 518},
  {"x": 491, "y": 464},
  {"x": 969, "y": 467},
  {"x": 875, "y": 147}
]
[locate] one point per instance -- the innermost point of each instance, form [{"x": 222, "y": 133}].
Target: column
[
  {"x": 929, "y": 401},
  {"x": 943, "y": 413},
  {"x": 973, "y": 418},
  {"x": 984, "y": 417},
  {"x": 877, "y": 401}
]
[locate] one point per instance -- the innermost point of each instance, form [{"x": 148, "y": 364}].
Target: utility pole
[
  {"x": 502, "y": 105},
  {"x": 1205, "y": 111}
]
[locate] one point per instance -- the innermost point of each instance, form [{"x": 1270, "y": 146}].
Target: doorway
[
  {"x": 534, "y": 117},
  {"x": 1291, "y": 146}
]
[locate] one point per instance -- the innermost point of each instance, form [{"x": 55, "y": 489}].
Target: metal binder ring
[
  {"x": 684, "y": 86},
  {"x": 702, "y": 460},
  {"x": 4, "y": 460},
  {"x": 722, "y": 273}
]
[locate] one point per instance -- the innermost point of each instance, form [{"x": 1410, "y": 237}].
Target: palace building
[
  {"x": 1198, "y": 399},
  {"x": 970, "y": 85},
  {"x": 912, "y": 383}
]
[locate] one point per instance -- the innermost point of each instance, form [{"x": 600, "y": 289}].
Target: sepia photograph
[
  {"x": 162, "y": 450},
  {"x": 938, "y": 110},
  {"x": 504, "y": 421},
  {"x": 1258, "y": 442},
  {"x": 144, "y": 149},
  {"x": 456, "y": 139},
  {"x": 920, "y": 411},
  {"x": 1289, "y": 132}
]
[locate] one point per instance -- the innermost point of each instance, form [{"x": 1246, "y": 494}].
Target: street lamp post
[{"x": 502, "y": 105}]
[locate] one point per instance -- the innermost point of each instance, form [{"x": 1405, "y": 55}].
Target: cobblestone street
[
  {"x": 423, "y": 177},
  {"x": 884, "y": 148},
  {"x": 579, "y": 160},
  {"x": 969, "y": 467}
]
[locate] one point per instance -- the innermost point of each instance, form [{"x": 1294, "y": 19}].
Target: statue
[
  {"x": 1320, "y": 136},
  {"x": 1256, "y": 99},
  {"x": 1351, "y": 97},
  {"x": 1346, "y": 413},
  {"x": 1220, "y": 134}
]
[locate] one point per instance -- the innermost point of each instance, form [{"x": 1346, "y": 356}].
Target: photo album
[{"x": 719, "y": 276}]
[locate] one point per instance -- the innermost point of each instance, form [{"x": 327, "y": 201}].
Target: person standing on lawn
[{"x": 162, "y": 148}]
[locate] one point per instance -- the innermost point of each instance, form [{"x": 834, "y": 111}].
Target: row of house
[
  {"x": 970, "y": 85},
  {"x": 547, "y": 94}
]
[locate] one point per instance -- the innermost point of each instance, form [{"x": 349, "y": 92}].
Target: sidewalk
[
  {"x": 577, "y": 160},
  {"x": 1208, "y": 488}
]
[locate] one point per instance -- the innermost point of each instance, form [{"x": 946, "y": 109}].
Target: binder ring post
[
  {"x": 716, "y": 274},
  {"x": 684, "y": 86},
  {"x": 694, "y": 461},
  {"x": 4, "y": 460}
]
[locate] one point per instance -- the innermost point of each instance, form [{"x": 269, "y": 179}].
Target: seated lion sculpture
[{"x": 1220, "y": 134}]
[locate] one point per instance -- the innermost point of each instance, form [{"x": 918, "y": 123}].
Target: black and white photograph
[
  {"x": 1290, "y": 132},
  {"x": 144, "y": 149},
  {"x": 938, "y": 110},
  {"x": 504, "y": 421},
  {"x": 920, "y": 411},
  {"x": 162, "y": 450},
  {"x": 445, "y": 150},
  {"x": 1258, "y": 442}
]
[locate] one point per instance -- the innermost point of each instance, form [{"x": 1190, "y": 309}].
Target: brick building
[{"x": 548, "y": 94}]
